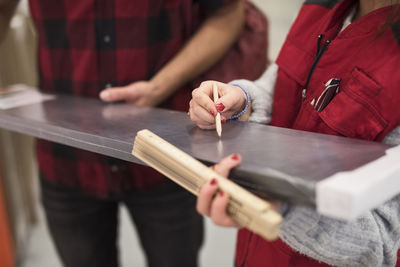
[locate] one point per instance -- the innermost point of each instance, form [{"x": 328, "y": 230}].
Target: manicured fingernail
[
  {"x": 220, "y": 107},
  {"x": 221, "y": 193},
  {"x": 223, "y": 120},
  {"x": 213, "y": 112},
  {"x": 235, "y": 157},
  {"x": 213, "y": 181}
]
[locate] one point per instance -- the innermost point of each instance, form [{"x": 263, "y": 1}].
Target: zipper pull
[{"x": 303, "y": 94}]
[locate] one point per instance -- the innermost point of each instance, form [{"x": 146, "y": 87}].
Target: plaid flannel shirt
[{"x": 88, "y": 45}]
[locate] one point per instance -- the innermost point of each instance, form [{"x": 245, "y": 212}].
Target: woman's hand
[
  {"x": 203, "y": 110},
  {"x": 213, "y": 203}
]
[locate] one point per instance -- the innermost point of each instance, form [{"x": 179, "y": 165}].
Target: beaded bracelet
[{"x": 236, "y": 116}]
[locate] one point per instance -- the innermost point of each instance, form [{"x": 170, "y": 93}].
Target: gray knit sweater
[{"x": 372, "y": 240}]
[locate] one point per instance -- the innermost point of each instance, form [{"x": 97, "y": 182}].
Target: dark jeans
[{"x": 84, "y": 228}]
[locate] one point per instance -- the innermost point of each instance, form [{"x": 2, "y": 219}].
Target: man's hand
[{"x": 141, "y": 93}]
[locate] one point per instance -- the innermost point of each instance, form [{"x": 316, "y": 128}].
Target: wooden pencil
[{"x": 218, "y": 125}]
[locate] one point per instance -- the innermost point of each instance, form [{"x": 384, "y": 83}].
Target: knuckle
[
  {"x": 196, "y": 97},
  {"x": 194, "y": 92},
  {"x": 204, "y": 83},
  {"x": 194, "y": 108}
]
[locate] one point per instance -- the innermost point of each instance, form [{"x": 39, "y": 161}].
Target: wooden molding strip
[{"x": 247, "y": 209}]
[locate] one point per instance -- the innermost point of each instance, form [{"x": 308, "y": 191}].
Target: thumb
[
  {"x": 226, "y": 164},
  {"x": 231, "y": 101},
  {"x": 117, "y": 94}
]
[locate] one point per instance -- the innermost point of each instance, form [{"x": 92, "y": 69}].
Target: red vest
[{"x": 368, "y": 63}]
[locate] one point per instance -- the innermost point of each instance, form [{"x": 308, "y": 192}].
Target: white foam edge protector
[{"x": 347, "y": 195}]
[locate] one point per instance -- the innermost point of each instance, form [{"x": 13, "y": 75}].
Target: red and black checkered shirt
[{"x": 88, "y": 45}]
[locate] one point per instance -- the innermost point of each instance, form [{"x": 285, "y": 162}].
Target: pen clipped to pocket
[{"x": 331, "y": 89}]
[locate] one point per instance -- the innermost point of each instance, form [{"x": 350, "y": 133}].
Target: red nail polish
[
  {"x": 220, "y": 107},
  {"x": 213, "y": 181},
  {"x": 235, "y": 157},
  {"x": 213, "y": 112},
  {"x": 221, "y": 193},
  {"x": 223, "y": 120}
]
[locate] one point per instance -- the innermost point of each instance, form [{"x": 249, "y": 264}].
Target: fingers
[
  {"x": 212, "y": 203},
  {"x": 226, "y": 164},
  {"x": 202, "y": 103},
  {"x": 218, "y": 210},
  {"x": 203, "y": 109},
  {"x": 205, "y": 124},
  {"x": 201, "y": 116},
  {"x": 232, "y": 100},
  {"x": 125, "y": 93},
  {"x": 205, "y": 197}
]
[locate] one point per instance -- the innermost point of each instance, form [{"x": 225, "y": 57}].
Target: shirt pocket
[{"x": 354, "y": 111}]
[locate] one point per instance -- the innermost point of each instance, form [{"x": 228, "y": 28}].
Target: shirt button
[
  {"x": 107, "y": 38},
  {"x": 108, "y": 85},
  {"x": 114, "y": 168}
]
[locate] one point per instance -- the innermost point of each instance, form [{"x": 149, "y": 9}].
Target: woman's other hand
[{"x": 212, "y": 201}]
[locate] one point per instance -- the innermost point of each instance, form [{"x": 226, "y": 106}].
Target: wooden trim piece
[{"x": 245, "y": 208}]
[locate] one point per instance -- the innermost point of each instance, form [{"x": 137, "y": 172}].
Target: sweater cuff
[{"x": 261, "y": 94}]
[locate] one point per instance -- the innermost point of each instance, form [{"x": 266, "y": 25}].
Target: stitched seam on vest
[
  {"x": 396, "y": 30},
  {"x": 326, "y": 3},
  {"x": 370, "y": 107}
]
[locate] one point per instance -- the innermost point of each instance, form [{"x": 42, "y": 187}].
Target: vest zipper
[
  {"x": 319, "y": 43},
  {"x": 320, "y": 52}
]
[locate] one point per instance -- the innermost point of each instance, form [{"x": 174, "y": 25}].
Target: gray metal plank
[{"x": 276, "y": 161}]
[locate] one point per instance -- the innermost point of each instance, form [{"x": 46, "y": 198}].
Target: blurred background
[{"x": 24, "y": 239}]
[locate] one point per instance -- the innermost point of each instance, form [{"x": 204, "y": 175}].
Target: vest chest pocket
[{"x": 354, "y": 112}]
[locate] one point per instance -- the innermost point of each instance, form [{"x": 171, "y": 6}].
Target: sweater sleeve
[
  {"x": 371, "y": 240},
  {"x": 261, "y": 94}
]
